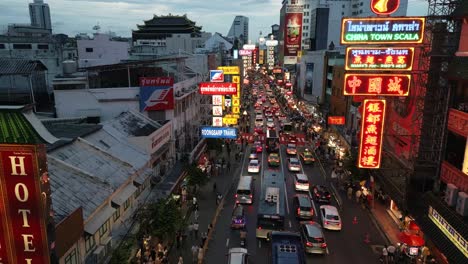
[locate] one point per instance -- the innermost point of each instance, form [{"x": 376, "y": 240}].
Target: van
[
  {"x": 245, "y": 190},
  {"x": 238, "y": 217},
  {"x": 301, "y": 182},
  {"x": 303, "y": 206}
]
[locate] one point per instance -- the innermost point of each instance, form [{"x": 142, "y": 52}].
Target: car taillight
[
  {"x": 324, "y": 245},
  {"x": 298, "y": 210},
  {"x": 250, "y": 196},
  {"x": 260, "y": 228},
  {"x": 235, "y": 195},
  {"x": 326, "y": 222},
  {"x": 329, "y": 195},
  {"x": 312, "y": 211},
  {"x": 309, "y": 244}
]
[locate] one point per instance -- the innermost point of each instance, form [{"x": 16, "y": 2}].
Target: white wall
[{"x": 105, "y": 51}]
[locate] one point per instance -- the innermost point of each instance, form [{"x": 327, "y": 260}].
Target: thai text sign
[
  {"x": 452, "y": 234},
  {"x": 219, "y": 132},
  {"x": 23, "y": 237},
  {"x": 378, "y": 59},
  {"x": 229, "y": 69},
  {"x": 382, "y": 30},
  {"x": 208, "y": 88},
  {"x": 336, "y": 120},
  {"x": 377, "y": 84},
  {"x": 156, "y": 93},
  {"x": 372, "y": 125}
]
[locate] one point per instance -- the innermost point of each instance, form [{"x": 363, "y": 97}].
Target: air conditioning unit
[
  {"x": 451, "y": 194},
  {"x": 462, "y": 204}
]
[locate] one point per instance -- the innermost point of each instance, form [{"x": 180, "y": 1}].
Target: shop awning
[
  {"x": 141, "y": 178},
  {"x": 92, "y": 226},
  {"x": 124, "y": 194},
  {"x": 411, "y": 240}
]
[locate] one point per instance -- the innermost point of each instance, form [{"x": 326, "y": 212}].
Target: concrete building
[
  {"x": 239, "y": 29},
  {"x": 39, "y": 13},
  {"x": 101, "y": 50}
]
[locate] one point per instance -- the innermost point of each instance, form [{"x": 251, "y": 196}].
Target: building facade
[
  {"x": 39, "y": 13},
  {"x": 101, "y": 50},
  {"x": 239, "y": 30}
]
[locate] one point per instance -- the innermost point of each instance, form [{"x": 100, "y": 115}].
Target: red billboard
[
  {"x": 372, "y": 124},
  {"x": 156, "y": 93},
  {"x": 209, "y": 88},
  {"x": 23, "y": 237},
  {"x": 336, "y": 120},
  {"x": 377, "y": 84},
  {"x": 293, "y": 30},
  {"x": 379, "y": 59}
]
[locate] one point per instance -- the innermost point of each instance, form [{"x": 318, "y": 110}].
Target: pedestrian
[
  {"x": 350, "y": 192},
  {"x": 425, "y": 252},
  {"x": 184, "y": 194},
  {"x": 358, "y": 195},
  {"x": 214, "y": 187},
  {"x": 190, "y": 229},
  {"x": 178, "y": 239},
  {"x": 384, "y": 256},
  {"x": 195, "y": 229},
  {"x": 200, "y": 255},
  {"x": 195, "y": 203},
  {"x": 160, "y": 247},
  {"x": 391, "y": 253},
  {"x": 181, "y": 260},
  {"x": 196, "y": 215},
  {"x": 194, "y": 253},
  {"x": 229, "y": 166},
  {"x": 204, "y": 237},
  {"x": 153, "y": 254},
  {"x": 210, "y": 226}
]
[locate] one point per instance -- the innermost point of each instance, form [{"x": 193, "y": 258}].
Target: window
[
  {"x": 343, "y": 6},
  {"x": 342, "y": 13},
  {"x": 103, "y": 229},
  {"x": 127, "y": 204},
  {"x": 2, "y": 46},
  {"x": 89, "y": 243},
  {"x": 361, "y": 3},
  {"x": 89, "y": 49},
  {"x": 43, "y": 46},
  {"x": 22, "y": 46},
  {"x": 116, "y": 214},
  {"x": 360, "y": 11},
  {"x": 71, "y": 258}
]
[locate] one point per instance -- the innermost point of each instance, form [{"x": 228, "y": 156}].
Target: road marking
[
  {"x": 290, "y": 224},
  {"x": 286, "y": 197},
  {"x": 227, "y": 242}
]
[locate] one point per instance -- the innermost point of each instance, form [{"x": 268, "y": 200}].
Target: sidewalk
[
  {"x": 385, "y": 222},
  {"x": 207, "y": 208}
]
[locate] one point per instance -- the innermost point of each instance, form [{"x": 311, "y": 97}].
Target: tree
[
  {"x": 195, "y": 176},
  {"x": 161, "y": 219},
  {"x": 350, "y": 164}
]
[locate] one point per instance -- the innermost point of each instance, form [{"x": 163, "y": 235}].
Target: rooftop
[
  {"x": 134, "y": 124},
  {"x": 20, "y": 66},
  {"x": 67, "y": 128}
]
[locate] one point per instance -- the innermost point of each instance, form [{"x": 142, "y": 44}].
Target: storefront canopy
[{"x": 411, "y": 240}]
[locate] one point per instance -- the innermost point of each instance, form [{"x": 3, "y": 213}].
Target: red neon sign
[
  {"x": 384, "y": 7},
  {"x": 378, "y": 59},
  {"x": 372, "y": 124},
  {"x": 210, "y": 88},
  {"x": 336, "y": 120},
  {"x": 377, "y": 84},
  {"x": 23, "y": 237}
]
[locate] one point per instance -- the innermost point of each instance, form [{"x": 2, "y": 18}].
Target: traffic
[{"x": 281, "y": 207}]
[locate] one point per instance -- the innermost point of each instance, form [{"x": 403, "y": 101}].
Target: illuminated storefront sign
[
  {"x": 23, "y": 237},
  {"x": 229, "y": 121},
  {"x": 384, "y": 7},
  {"x": 244, "y": 52},
  {"x": 208, "y": 88},
  {"x": 378, "y": 59},
  {"x": 218, "y": 132},
  {"x": 292, "y": 33},
  {"x": 458, "y": 240},
  {"x": 229, "y": 69},
  {"x": 382, "y": 30},
  {"x": 458, "y": 122},
  {"x": 336, "y": 120},
  {"x": 377, "y": 84},
  {"x": 372, "y": 125}
]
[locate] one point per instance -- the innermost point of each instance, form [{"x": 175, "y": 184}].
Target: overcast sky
[{"x": 79, "y": 16}]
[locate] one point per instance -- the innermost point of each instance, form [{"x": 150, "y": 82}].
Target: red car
[
  {"x": 258, "y": 130},
  {"x": 258, "y": 146}
]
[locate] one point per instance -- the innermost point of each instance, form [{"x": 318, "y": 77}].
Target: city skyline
[{"x": 261, "y": 13}]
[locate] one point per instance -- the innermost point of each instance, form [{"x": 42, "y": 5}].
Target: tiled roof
[
  {"x": 20, "y": 66},
  {"x": 458, "y": 68},
  {"x": 134, "y": 124},
  {"x": 70, "y": 129},
  {"x": 169, "y": 20},
  {"x": 15, "y": 128}
]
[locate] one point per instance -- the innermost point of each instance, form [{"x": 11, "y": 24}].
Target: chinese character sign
[
  {"x": 378, "y": 59},
  {"x": 217, "y": 110},
  {"x": 372, "y": 125},
  {"x": 377, "y": 84},
  {"x": 218, "y": 121},
  {"x": 217, "y": 100}
]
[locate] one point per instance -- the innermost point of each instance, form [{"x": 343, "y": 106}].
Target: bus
[
  {"x": 270, "y": 214},
  {"x": 287, "y": 247},
  {"x": 272, "y": 141}
]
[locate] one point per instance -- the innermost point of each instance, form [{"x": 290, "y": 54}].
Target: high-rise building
[
  {"x": 40, "y": 15},
  {"x": 239, "y": 29}
]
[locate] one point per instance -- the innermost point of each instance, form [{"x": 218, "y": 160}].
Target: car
[
  {"x": 331, "y": 219},
  {"x": 321, "y": 193},
  {"x": 274, "y": 159},
  {"x": 277, "y": 113},
  {"x": 263, "y": 99},
  {"x": 301, "y": 182},
  {"x": 303, "y": 206},
  {"x": 238, "y": 256},
  {"x": 254, "y": 166},
  {"x": 238, "y": 217},
  {"x": 294, "y": 165},
  {"x": 258, "y": 129},
  {"x": 282, "y": 117},
  {"x": 253, "y": 155},
  {"x": 312, "y": 237},
  {"x": 307, "y": 157},
  {"x": 258, "y": 146},
  {"x": 268, "y": 113},
  {"x": 291, "y": 149},
  {"x": 270, "y": 123}
]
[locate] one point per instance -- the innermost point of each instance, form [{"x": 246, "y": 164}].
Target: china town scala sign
[{"x": 23, "y": 237}]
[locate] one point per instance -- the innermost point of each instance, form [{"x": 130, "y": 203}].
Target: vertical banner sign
[
  {"x": 292, "y": 33},
  {"x": 156, "y": 93},
  {"x": 372, "y": 125},
  {"x": 23, "y": 237}
]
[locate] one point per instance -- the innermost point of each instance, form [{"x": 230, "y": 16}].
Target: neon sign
[
  {"x": 223, "y": 88},
  {"x": 377, "y": 84},
  {"x": 382, "y": 30},
  {"x": 370, "y": 147},
  {"x": 336, "y": 120},
  {"x": 378, "y": 59},
  {"x": 384, "y": 7}
]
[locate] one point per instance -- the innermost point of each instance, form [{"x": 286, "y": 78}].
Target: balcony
[
  {"x": 450, "y": 174},
  {"x": 458, "y": 122}
]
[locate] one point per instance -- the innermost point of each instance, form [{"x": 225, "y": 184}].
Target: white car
[
  {"x": 270, "y": 123},
  {"x": 331, "y": 219},
  {"x": 254, "y": 166},
  {"x": 294, "y": 164}
]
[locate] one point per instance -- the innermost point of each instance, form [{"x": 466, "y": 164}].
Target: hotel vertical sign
[{"x": 23, "y": 237}]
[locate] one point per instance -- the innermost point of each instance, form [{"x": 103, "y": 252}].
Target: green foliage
[
  {"x": 162, "y": 219},
  {"x": 195, "y": 176},
  {"x": 122, "y": 253},
  {"x": 350, "y": 164}
]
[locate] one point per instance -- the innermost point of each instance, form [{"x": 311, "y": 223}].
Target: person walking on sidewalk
[
  {"x": 194, "y": 253},
  {"x": 350, "y": 193},
  {"x": 358, "y": 195},
  {"x": 196, "y": 215},
  {"x": 384, "y": 257},
  {"x": 181, "y": 260},
  {"x": 190, "y": 229},
  {"x": 229, "y": 166},
  {"x": 391, "y": 253},
  {"x": 195, "y": 229}
]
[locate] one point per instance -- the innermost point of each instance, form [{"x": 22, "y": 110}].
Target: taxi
[
  {"x": 273, "y": 159},
  {"x": 307, "y": 157}
]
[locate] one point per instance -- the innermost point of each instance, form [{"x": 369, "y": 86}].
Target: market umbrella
[
  {"x": 411, "y": 239},
  {"x": 413, "y": 226}
]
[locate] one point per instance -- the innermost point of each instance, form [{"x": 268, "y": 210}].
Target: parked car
[
  {"x": 331, "y": 219},
  {"x": 294, "y": 165},
  {"x": 321, "y": 193},
  {"x": 303, "y": 206},
  {"x": 313, "y": 238},
  {"x": 254, "y": 166}
]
